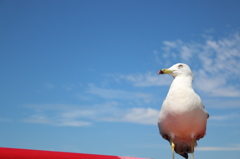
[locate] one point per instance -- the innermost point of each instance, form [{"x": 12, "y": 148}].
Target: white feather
[{"x": 182, "y": 117}]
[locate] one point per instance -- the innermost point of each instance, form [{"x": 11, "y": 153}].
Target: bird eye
[{"x": 180, "y": 66}]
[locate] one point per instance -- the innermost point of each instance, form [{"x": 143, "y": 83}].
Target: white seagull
[{"x": 182, "y": 119}]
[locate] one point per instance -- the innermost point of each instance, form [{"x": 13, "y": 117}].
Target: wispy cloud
[
  {"x": 5, "y": 120},
  {"x": 57, "y": 115},
  {"x": 214, "y": 62},
  {"x": 107, "y": 105},
  {"x": 237, "y": 148},
  {"x": 120, "y": 94},
  {"x": 55, "y": 120},
  {"x": 223, "y": 104},
  {"x": 144, "y": 79},
  {"x": 88, "y": 115},
  {"x": 216, "y": 85},
  {"x": 74, "y": 123},
  {"x": 225, "y": 117},
  {"x": 38, "y": 118},
  {"x": 141, "y": 115},
  {"x": 146, "y": 116},
  {"x": 48, "y": 86},
  {"x": 68, "y": 87}
]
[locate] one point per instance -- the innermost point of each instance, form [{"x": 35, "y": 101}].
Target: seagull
[{"x": 182, "y": 118}]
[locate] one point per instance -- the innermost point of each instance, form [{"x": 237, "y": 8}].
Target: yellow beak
[{"x": 165, "y": 71}]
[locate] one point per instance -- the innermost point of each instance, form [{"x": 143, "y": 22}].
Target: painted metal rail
[{"x": 15, "y": 153}]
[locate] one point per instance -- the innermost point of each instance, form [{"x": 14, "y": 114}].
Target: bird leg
[
  {"x": 192, "y": 148},
  {"x": 172, "y": 146}
]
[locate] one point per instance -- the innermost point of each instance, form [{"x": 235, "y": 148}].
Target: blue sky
[{"x": 81, "y": 76}]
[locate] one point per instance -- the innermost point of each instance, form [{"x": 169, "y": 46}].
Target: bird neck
[{"x": 182, "y": 81}]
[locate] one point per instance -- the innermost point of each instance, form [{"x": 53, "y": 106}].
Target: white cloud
[
  {"x": 69, "y": 87},
  {"x": 218, "y": 148},
  {"x": 47, "y": 106},
  {"x": 114, "y": 110},
  {"x": 223, "y": 104},
  {"x": 144, "y": 80},
  {"x": 55, "y": 120},
  {"x": 225, "y": 117},
  {"x": 38, "y": 118},
  {"x": 146, "y": 116},
  {"x": 74, "y": 123},
  {"x": 186, "y": 53},
  {"x": 215, "y": 85},
  {"x": 87, "y": 115},
  {"x": 173, "y": 44},
  {"x": 214, "y": 62},
  {"x": 120, "y": 94},
  {"x": 78, "y": 113},
  {"x": 57, "y": 115}
]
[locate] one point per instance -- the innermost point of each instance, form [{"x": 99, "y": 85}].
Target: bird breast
[{"x": 182, "y": 113}]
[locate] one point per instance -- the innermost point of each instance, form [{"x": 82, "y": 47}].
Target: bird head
[{"x": 178, "y": 69}]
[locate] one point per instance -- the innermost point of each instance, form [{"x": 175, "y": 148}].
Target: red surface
[{"x": 13, "y": 153}]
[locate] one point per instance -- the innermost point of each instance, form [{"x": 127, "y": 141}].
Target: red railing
[{"x": 14, "y": 153}]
